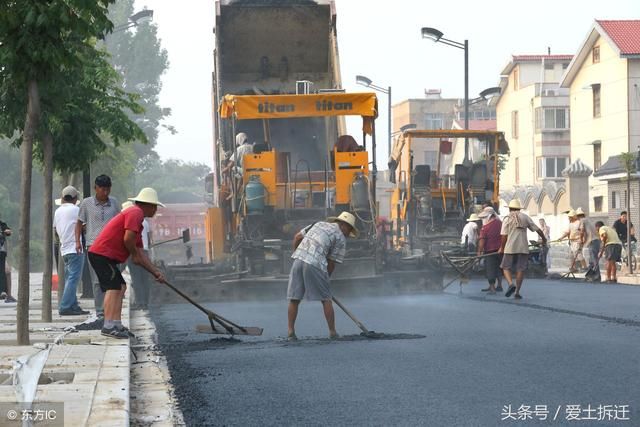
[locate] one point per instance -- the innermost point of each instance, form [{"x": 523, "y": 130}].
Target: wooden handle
[{"x": 348, "y": 313}]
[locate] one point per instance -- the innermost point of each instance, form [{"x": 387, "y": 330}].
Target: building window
[
  {"x": 551, "y": 118},
  {"x": 548, "y": 65},
  {"x": 595, "y": 54},
  {"x": 517, "y": 170},
  {"x": 434, "y": 121},
  {"x": 596, "y": 99},
  {"x": 515, "y": 79},
  {"x": 565, "y": 65},
  {"x": 615, "y": 200},
  {"x": 514, "y": 124},
  {"x": 551, "y": 167},
  {"x": 597, "y": 204},
  {"x": 597, "y": 155}
]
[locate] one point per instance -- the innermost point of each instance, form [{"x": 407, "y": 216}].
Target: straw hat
[
  {"x": 347, "y": 218},
  {"x": 515, "y": 204},
  {"x": 126, "y": 205},
  {"x": 571, "y": 213},
  {"x": 579, "y": 211},
  {"x": 473, "y": 217},
  {"x": 147, "y": 195}
]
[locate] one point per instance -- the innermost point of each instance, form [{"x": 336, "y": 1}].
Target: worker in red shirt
[{"x": 118, "y": 240}]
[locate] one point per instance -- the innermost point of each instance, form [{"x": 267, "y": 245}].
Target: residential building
[
  {"x": 603, "y": 80},
  {"x": 533, "y": 112},
  {"x": 435, "y": 112}
]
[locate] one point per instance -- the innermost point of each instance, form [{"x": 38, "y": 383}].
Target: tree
[
  {"x": 39, "y": 37},
  {"x": 629, "y": 164},
  {"x": 138, "y": 56}
]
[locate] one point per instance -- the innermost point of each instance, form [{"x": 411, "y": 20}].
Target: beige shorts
[{"x": 306, "y": 279}]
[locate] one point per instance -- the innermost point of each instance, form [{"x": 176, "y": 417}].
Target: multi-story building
[
  {"x": 435, "y": 112},
  {"x": 603, "y": 79},
  {"x": 533, "y": 112}
]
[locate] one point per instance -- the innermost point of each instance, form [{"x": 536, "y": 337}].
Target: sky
[{"x": 381, "y": 40}]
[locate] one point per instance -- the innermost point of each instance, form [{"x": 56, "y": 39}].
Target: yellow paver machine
[
  {"x": 432, "y": 199},
  {"x": 293, "y": 176}
]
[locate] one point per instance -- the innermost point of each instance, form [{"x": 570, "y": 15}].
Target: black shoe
[
  {"x": 485, "y": 289},
  {"x": 517, "y": 296},
  {"x": 510, "y": 291},
  {"x": 125, "y": 329},
  {"x": 73, "y": 312},
  {"x": 68, "y": 312},
  {"x": 95, "y": 325},
  {"x": 499, "y": 289},
  {"x": 9, "y": 299},
  {"x": 115, "y": 332}
]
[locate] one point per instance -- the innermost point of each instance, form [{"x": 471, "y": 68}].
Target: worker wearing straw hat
[
  {"x": 574, "y": 234},
  {"x": 515, "y": 246},
  {"x": 469, "y": 238},
  {"x": 119, "y": 239},
  {"x": 591, "y": 241},
  {"x": 317, "y": 249}
]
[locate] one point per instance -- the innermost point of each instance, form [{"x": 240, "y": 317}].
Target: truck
[{"x": 277, "y": 80}]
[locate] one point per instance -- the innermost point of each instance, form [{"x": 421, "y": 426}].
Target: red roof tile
[
  {"x": 625, "y": 34},
  {"x": 540, "y": 57},
  {"x": 482, "y": 124}
]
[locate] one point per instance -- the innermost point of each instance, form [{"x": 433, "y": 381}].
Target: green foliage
[
  {"x": 628, "y": 161},
  {"x": 82, "y": 106},
  {"x": 175, "y": 180},
  {"x": 81, "y": 96},
  {"x": 141, "y": 61},
  {"x": 10, "y": 191}
]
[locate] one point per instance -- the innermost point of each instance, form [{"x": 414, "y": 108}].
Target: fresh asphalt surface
[{"x": 467, "y": 356}]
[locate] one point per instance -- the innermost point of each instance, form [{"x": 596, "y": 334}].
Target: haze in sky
[{"x": 381, "y": 40}]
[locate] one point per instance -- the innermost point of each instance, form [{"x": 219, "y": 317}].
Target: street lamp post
[
  {"x": 364, "y": 81},
  {"x": 436, "y": 36}
]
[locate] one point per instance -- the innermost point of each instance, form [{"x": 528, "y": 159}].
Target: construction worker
[
  {"x": 489, "y": 243},
  {"x": 574, "y": 233},
  {"x": 119, "y": 239},
  {"x": 317, "y": 249},
  {"x": 611, "y": 248},
  {"x": 590, "y": 240},
  {"x": 469, "y": 238},
  {"x": 515, "y": 246},
  {"x": 242, "y": 147}
]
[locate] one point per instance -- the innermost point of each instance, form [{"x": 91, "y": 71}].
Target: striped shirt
[
  {"x": 323, "y": 240},
  {"x": 95, "y": 215}
]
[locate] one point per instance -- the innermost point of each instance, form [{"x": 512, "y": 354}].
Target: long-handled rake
[
  {"x": 226, "y": 327},
  {"x": 462, "y": 265},
  {"x": 365, "y": 332}
]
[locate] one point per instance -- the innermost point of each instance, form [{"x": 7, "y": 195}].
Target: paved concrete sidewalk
[{"x": 88, "y": 372}]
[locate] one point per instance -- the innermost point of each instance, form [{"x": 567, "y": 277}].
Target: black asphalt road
[{"x": 466, "y": 358}]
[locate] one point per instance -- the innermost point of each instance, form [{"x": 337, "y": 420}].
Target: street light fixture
[
  {"x": 436, "y": 36},
  {"x": 365, "y": 81},
  {"x": 144, "y": 15}
]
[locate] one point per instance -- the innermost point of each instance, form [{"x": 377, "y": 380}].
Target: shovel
[
  {"x": 365, "y": 332},
  {"x": 226, "y": 327}
]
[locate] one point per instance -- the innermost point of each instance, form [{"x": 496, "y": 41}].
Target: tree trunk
[
  {"x": 29, "y": 133},
  {"x": 47, "y": 150}
]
